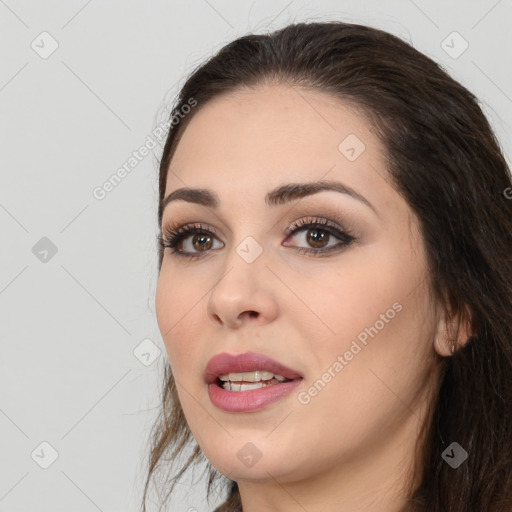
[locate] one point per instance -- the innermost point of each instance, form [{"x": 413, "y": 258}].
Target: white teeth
[
  {"x": 233, "y": 386},
  {"x": 255, "y": 376}
]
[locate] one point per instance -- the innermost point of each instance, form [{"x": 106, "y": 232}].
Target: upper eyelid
[
  {"x": 301, "y": 224},
  {"x": 306, "y": 222}
]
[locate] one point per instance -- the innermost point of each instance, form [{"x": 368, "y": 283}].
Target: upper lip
[{"x": 224, "y": 363}]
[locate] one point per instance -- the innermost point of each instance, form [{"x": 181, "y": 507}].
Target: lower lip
[{"x": 253, "y": 400}]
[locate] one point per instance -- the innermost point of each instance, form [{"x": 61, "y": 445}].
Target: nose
[{"x": 243, "y": 294}]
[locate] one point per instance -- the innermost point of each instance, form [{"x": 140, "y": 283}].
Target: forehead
[{"x": 252, "y": 140}]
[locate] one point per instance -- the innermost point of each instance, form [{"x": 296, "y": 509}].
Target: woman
[{"x": 334, "y": 290}]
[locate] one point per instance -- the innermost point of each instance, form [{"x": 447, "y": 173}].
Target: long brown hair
[{"x": 444, "y": 159}]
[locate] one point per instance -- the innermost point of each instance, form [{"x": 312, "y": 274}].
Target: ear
[{"x": 453, "y": 331}]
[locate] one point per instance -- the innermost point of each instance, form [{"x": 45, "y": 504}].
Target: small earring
[{"x": 453, "y": 349}]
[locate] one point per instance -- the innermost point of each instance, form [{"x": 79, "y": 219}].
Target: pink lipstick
[{"x": 248, "y": 382}]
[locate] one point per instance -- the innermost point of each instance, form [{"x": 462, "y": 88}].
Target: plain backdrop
[{"x": 82, "y": 86}]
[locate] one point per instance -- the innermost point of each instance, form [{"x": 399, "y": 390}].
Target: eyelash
[{"x": 173, "y": 236}]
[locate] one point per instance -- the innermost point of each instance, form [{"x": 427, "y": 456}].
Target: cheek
[
  {"x": 176, "y": 303},
  {"x": 344, "y": 301},
  {"x": 370, "y": 309},
  {"x": 378, "y": 350},
  {"x": 373, "y": 388}
]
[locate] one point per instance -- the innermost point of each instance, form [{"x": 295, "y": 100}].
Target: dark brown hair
[{"x": 444, "y": 159}]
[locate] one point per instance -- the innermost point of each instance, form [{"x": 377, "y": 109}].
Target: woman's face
[{"x": 351, "y": 317}]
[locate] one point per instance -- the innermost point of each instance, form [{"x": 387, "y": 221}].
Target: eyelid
[
  {"x": 174, "y": 235},
  {"x": 295, "y": 226},
  {"x": 345, "y": 237},
  {"x": 304, "y": 222}
]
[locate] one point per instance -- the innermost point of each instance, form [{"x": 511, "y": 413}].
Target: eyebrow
[{"x": 278, "y": 196}]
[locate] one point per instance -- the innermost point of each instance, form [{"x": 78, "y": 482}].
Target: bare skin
[{"x": 351, "y": 445}]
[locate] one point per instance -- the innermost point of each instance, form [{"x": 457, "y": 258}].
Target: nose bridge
[
  {"x": 246, "y": 259},
  {"x": 243, "y": 286}
]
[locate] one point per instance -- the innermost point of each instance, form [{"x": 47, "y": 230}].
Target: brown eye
[
  {"x": 202, "y": 242},
  {"x": 317, "y": 237},
  {"x": 190, "y": 241}
]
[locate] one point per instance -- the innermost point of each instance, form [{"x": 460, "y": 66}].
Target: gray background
[{"x": 71, "y": 321}]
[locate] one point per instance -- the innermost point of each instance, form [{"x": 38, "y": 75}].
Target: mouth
[
  {"x": 248, "y": 368},
  {"x": 248, "y": 382}
]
